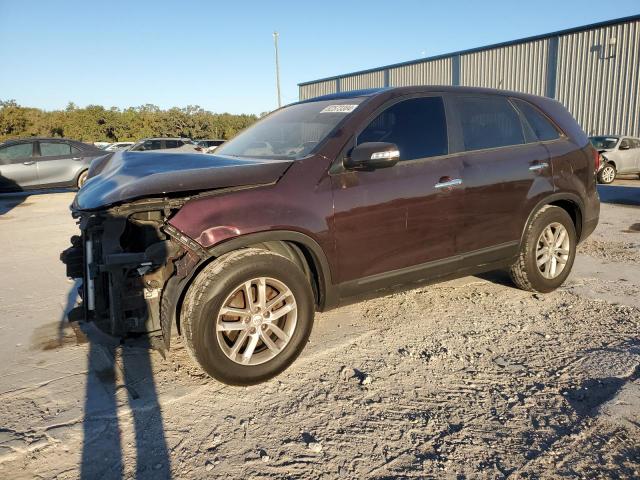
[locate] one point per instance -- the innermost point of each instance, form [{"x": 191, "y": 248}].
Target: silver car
[
  {"x": 31, "y": 163},
  {"x": 619, "y": 155}
]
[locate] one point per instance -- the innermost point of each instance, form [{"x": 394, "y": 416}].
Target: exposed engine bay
[{"x": 131, "y": 261}]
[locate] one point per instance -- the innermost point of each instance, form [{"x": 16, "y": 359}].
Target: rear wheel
[
  {"x": 547, "y": 252},
  {"x": 247, "y": 316},
  {"x": 607, "y": 174},
  {"x": 82, "y": 178}
]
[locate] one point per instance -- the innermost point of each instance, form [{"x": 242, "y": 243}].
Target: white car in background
[
  {"x": 176, "y": 145},
  {"x": 208, "y": 146},
  {"x": 114, "y": 147},
  {"x": 619, "y": 155}
]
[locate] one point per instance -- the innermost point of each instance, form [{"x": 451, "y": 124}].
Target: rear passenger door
[
  {"x": 17, "y": 167},
  {"x": 505, "y": 169},
  {"x": 58, "y": 162}
]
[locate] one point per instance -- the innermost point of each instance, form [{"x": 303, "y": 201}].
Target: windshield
[
  {"x": 292, "y": 132},
  {"x": 604, "y": 142}
]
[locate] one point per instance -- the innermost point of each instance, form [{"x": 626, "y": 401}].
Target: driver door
[{"x": 391, "y": 221}]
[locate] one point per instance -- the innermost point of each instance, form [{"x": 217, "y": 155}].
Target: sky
[{"x": 220, "y": 55}]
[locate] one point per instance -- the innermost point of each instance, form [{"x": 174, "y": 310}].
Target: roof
[
  {"x": 163, "y": 138},
  {"x": 349, "y": 94},
  {"x": 416, "y": 89},
  {"x": 47, "y": 139},
  {"x": 582, "y": 28}
]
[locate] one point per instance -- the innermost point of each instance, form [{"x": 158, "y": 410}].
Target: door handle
[
  {"x": 76, "y": 158},
  {"x": 30, "y": 162},
  {"x": 448, "y": 183},
  {"x": 538, "y": 166}
]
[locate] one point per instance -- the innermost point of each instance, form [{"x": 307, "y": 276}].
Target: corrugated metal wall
[
  {"x": 595, "y": 73},
  {"x": 521, "y": 67},
  {"x": 434, "y": 72},
  {"x": 318, "y": 89},
  {"x": 362, "y": 81},
  {"x": 598, "y": 76}
]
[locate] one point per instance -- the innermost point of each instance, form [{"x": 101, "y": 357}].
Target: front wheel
[
  {"x": 547, "y": 252},
  {"x": 82, "y": 178},
  {"x": 608, "y": 174},
  {"x": 247, "y": 316}
]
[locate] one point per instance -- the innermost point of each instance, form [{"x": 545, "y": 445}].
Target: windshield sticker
[{"x": 339, "y": 109}]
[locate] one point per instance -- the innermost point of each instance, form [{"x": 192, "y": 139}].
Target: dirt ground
[{"x": 471, "y": 378}]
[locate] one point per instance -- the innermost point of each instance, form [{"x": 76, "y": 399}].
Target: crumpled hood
[{"x": 128, "y": 176}]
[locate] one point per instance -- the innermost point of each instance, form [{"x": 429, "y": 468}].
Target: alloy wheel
[
  {"x": 608, "y": 174},
  {"x": 552, "y": 250},
  {"x": 256, "y": 321}
]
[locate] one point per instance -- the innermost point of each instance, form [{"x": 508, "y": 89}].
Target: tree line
[{"x": 95, "y": 123}]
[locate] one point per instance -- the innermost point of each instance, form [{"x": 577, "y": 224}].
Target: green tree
[{"x": 95, "y": 123}]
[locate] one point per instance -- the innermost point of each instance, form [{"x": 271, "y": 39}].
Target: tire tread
[{"x": 518, "y": 271}]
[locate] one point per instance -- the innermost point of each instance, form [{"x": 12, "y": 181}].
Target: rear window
[
  {"x": 488, "y": 122},
  {"x": 540, "y": 125},
  {"x": 417, "y": 126}
]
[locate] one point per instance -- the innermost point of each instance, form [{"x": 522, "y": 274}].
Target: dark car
[
  {"x": 147, "y": 144},
  {"x": 31, "y": 163},
  {"x": 325, "y": 200}
]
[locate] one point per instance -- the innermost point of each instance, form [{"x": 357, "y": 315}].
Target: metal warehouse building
[{"x": 593, "y": 70}]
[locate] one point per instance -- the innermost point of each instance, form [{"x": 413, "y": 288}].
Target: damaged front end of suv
[{"x": 132, "y": 262}]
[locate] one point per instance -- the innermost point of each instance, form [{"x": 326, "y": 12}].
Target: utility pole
[{"x": 275, "y": 41}]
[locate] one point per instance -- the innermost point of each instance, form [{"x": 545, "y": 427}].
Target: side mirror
[
  {"x": 372, "y": 155},
  {"x": 624, "y": 146}
]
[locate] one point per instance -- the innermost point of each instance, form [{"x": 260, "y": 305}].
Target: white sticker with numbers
[{"x": 339, "y": 109}]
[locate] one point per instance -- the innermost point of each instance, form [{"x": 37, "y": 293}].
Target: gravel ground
[{"x": 465, "y": 379}]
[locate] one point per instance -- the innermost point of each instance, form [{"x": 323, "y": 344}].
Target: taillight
[{"x": 596, "y": 159}]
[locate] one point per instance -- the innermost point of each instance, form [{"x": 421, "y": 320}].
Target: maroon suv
[{"x": 324, "y": 200}]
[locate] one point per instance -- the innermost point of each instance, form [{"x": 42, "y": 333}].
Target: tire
[
  {"x": 82, "y": 178},
  {"x": 219, "y": 285},
  {"x": 525, "y": 272},
  {"x": 607, "y": 174}
]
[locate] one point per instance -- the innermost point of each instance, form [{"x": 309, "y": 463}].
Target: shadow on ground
[
  {"x": 120, "y": 374},
  {"x": 620, "y": 195}
]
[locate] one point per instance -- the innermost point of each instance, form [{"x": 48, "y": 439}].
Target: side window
[
  {"x": 75, "y": 151},
  {"x": 636, "y": 143},
  {"x": 539, "y": 123},
  {"x": 53, "y": 149},
  {"x": 149, "y": 145},
  {"x": 417, "y": 126},
  {"x": 488, "y": 122},
  {"x": 624, "y": 144},
  {"x": 13, "y": 153},
  {"x": 170, "y": 144}
]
